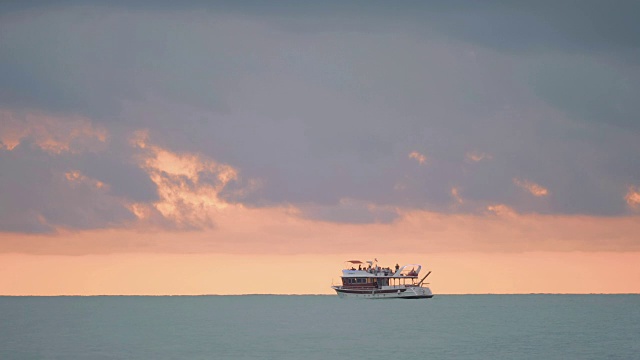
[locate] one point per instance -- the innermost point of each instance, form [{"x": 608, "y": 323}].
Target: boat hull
[{"x": 389, "y": 293}]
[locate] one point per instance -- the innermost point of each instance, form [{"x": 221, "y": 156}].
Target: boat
[{"x": 370, "y": 281}]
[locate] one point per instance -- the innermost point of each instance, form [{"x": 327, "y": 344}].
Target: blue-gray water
[{"x": 321, "y": 327}]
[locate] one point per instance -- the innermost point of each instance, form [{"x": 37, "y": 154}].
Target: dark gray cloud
[
  {"x": 125, "y": 178},
  {"x": 590, "y": 89},
  {"x": 37, "y": 195},
  {"x": 569, "y": 25},
  {"x": 322, "y": 103},
  {"x": 54, "y": 52}
]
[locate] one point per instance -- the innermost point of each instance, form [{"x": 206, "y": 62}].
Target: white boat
[{"x": 370, "y": 281}]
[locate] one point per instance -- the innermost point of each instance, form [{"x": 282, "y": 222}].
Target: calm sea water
[{"x": 321, "y": 327}]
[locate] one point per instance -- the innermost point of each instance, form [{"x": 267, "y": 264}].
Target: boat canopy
[
  {"x": 410, "y": 270},
  {"x": 355, "y": 261}
]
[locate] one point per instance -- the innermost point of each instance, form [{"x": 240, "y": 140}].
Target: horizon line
[{"x": 267, "y": 294}]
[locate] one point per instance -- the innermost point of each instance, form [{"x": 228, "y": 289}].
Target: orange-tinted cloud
[
  {"x": 76, "y": 177},
  {"x": 281, "y": 230},
  {"x": 420, "y": 158},
  {"x": 188, "y": 186},
  {"x": 54, "y": 134},
  {"x": 476, "y": 156},
  {"x": 501, "y": 210},
  {"x": 633, "y": 198},
  {"x": 456, "y": 196},
  {"x": 531, "y": 187}
]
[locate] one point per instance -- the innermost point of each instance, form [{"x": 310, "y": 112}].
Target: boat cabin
[{"x": 368, "y": 275}]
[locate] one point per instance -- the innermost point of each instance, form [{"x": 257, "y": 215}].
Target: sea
[{"x": 321, "y": 327}]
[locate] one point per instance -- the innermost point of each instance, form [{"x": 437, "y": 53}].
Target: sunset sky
[{"x": 253, "y": 147}]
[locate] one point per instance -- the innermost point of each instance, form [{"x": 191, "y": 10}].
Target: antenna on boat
[{"x": 420, "y": 283}]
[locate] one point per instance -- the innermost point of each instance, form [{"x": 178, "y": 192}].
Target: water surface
[{"x": 321, "y": 327}]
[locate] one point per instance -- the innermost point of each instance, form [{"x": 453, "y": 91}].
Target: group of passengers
[{"x": 377, "y": 269}]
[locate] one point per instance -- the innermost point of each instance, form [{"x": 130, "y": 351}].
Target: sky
[{"x": 252, "y": 147}]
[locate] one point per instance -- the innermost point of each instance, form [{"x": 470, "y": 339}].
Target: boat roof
[{"x": 406, "y": 271}]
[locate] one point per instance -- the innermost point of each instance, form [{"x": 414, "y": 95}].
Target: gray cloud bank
[{"x": 323, "y": 103}]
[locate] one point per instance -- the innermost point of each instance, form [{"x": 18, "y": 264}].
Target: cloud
[
  {"x": 588, "y": 89},
  {"x": 477, "y": 156},
  {"x": 505, "y": 26},
  {"x": 633, "y": 198},
  {"x": 42, "y": 185},
  {"x": 456, "y": 196},
  {"x": 41, "y": 192},
  {"x": 283, "y": 231},
  {"x": 53, "y": 134},
  {"x": 61, "y": 173},
  {"x": 421, "y": 159},
  {"x": 501, "y": 210},
  {"x": 188, "y": 187},
  {"x": 349, "y": 211},
  {"x": 531, "y": 187},
  {"x": 313, "y": 108}
]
